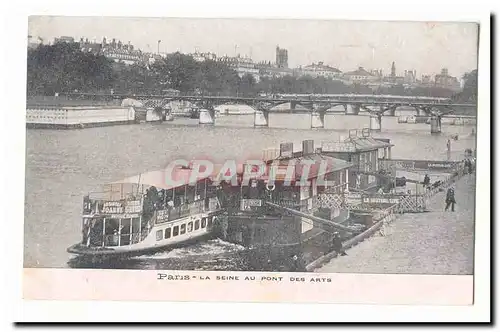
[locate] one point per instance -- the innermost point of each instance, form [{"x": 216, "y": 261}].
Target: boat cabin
[
  {"x": 364, "y": 152},
  {"x": 294, "y": 180}
]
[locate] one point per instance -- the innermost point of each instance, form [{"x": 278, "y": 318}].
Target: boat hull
[{"x": 124, "y": 252}]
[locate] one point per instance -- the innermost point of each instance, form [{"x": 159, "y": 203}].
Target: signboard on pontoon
[
  {"x": 247, "y": 204},
  {"x": 381, "y": 200},
  {"x": 431, "y": 165},
  {"x": 338, "y": 147},
  {"x": 353, "y": 198}
]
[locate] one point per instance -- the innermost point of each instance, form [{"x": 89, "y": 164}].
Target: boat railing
[
  {"x": 258, "y": 205},
  {"x": 116, "y": 240},
  {"x": 185, "y": 210},
  {"x": 149, "y": 226}
]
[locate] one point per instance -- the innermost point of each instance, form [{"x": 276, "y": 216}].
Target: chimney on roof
[
  {"x": 286, "y": 150},
  {"x": 307, "y": 147}
]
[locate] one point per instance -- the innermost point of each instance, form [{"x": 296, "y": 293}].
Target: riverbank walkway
[{"x": 435, "y": 242}]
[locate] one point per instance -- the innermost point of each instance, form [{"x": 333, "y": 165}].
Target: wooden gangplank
[
  {"x": 385, "y": 176},
  {"x": 311, "y": 217}
]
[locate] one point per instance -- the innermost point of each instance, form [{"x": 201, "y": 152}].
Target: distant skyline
[{"x": 426, "y": 47}]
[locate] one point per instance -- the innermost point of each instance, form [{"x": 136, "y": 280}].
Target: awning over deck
[
  {"x": 353, "y": 145},
  {"x": 370, "y": 143},
  {"x": 317, "y": 165},
  {"x": 161, "y": 179},
  {"x": 320, "y": 165}
]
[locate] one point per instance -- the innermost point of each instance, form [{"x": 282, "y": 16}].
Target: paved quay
[{"x": 435, "y": 242}]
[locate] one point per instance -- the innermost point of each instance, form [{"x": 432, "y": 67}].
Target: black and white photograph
[{"x": 251, "y": 145}]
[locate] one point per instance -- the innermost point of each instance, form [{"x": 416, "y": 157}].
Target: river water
[{"x": 63, "y": 165}]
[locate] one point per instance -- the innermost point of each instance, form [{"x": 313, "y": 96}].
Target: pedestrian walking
[
  {"x": 427, "y": 181},
  {"x": 337, "y": 244},
  {"x": 448, "y": 149},
  {"x": 450, "y": 200}
]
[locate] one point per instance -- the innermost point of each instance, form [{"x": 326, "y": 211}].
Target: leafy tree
[
  {"x": 247, "y": 85},
  {"x": 178, "y": 70},
  {"x": 469, "y": 92},
  {"x": 64, "y": 68}
]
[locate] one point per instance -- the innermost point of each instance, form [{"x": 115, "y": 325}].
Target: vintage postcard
[{"x": 251, "y": 160}]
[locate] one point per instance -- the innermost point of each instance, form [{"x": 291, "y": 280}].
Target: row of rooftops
[{"x": 358, "y": 141}]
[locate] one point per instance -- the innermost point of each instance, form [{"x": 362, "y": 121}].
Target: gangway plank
[
  {"x": 311, "y": 217},
  {"x": 386, "y": 176}
]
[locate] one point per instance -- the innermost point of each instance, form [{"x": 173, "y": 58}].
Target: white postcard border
[{"x": 13, "y": 201}]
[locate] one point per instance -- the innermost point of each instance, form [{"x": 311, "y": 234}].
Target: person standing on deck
[{"x": 450, "y": 200}]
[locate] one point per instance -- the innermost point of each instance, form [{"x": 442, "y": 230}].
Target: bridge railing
[{"x": 376, "y": 99}]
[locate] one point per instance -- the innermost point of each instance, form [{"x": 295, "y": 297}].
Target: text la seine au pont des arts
[{"x": 185, "y": 277}]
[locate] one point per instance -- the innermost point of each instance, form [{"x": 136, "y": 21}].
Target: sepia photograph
[
  {"x": 253, "y": 159},
  {"x": 238, "y": 145}
]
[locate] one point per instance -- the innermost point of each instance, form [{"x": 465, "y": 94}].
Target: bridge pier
[
  {"x": 435, "y": 124},
  {"x": 421, "y": 112},
  {"x": 351, "y": 109},
  {"x": 207, "y": 116},
  {"x": 261, "y": 118},
  {"x": 318, "y": 120},
  {"x": 391, "y": 111},
  {"x": 375, "y": 122}
]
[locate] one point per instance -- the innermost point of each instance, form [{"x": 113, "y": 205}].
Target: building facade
[
  {"x": 360, "y": 76},
  {"x": 203, "y": 56},
  {"x": 410, "y": 76},
  {"x": 321, "y": 70},
  {"x": 281, "y": 57},
  {"x": 242, "y": 65},
  {"x": 444, "y": 80}
]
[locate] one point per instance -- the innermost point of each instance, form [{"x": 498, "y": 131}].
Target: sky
[{"x": 422, "y": 46}]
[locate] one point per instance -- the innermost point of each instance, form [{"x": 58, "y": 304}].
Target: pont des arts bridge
[{"x": 307, "y": 108}]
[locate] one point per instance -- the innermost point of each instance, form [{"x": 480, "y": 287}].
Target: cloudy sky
[{"x": 425, "y": 47}]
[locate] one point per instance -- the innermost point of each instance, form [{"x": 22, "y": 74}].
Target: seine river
[{"x": 63, "y": 165}]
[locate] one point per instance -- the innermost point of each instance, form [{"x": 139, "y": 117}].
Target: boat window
[
  {"x": 203, "y": 222},
  {"x": 159, "y": 235},
  {"x": 176, "y": 231},
  {"x": 210, "y": 221},
  {"x": 196, "y": 224},
  {"x": 183, "y": 228},
  {"x": 168, "y": 233},
  {"x": 190, "y": 227}
]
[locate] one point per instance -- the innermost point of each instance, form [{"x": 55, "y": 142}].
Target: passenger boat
[{"x": 142, "y": 214}]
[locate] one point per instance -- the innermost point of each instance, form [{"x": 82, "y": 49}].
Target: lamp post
[{"x": 159, "y": 41}]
